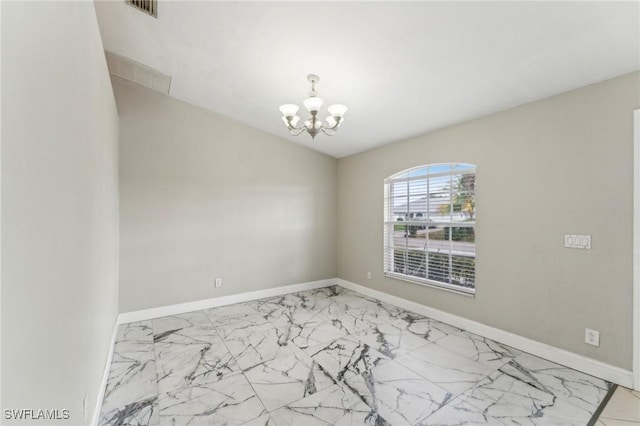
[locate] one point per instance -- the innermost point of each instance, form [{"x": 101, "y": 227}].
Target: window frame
[{"x": 390, "y": 221}]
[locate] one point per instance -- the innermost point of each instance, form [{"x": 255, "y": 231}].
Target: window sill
[{"x": 469, "y": 292}]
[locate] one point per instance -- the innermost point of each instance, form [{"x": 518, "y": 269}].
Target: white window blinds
[{"x": 429, "y": 225}]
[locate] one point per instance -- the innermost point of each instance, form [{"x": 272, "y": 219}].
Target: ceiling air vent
[
  {"x": 147, "y": 6},
  {"x": 138, "y": 73}
]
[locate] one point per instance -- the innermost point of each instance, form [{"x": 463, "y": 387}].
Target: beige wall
[
  {"x": 560, "y": 165},
  {"x": 59, "y": 208},
  {"x": 204, "y": 197}
]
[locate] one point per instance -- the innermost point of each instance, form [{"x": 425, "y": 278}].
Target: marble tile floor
[{"x": 332, "y": 357}]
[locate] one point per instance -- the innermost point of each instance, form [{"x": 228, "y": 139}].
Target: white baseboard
[
  {"x": 163, "y": 311},
  {"x": 105, "y": 377},
  {"x": 570, "y": 359}
]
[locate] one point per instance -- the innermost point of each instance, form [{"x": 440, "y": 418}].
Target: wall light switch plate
[{"x": 577, "y": 241}]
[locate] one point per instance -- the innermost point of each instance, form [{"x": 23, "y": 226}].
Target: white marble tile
[
  {"x": 563, "y": 414},
  {"x": 502, "y": 396},
  {"x": 231, "y": 401},
  {"x": 254, "y": 344},
  {"x": 132, "y": 390},
  {"x": 184, "y": 330},
  {"x": 391, "y": 341},
  {"x": 346, "y": 357},
  {"x": 362, "y": 414},
  {"x": 286, "y": 300},
  {"x": 338, "y": 302},
  {"x": 447, "y": 369},
  {"x": 354, "y": 301},
  {"x": 328, "y": 293},
  {"x": 575, "y": 387},
  {"x": 324, "y": 407},
  {"x": 367, "y": 313},
  {"x": 134, "y": 338},
  {"x": 140, "y": 331},
  {"x": 427, "y": 328},
  {"x": 265, "y": 420},
  {"x": 286, "y": 417},
  {"x": 137, "y": 375},
  {"x": 242, "y": 323},
  {"x": 295, "y": 314},
  {"x": 334, "y": 310},
  {"x": 314, "y": 300},
  {"x": 350, "y": 322},
  {"x": 383, "y": 311},
  {"x": 294, "y": 307},
  {"x": 306, "y": 334},
  {"x": 460, "y": 413},
  {"x": 196, "y": 364},
  {"x": 360, "y": 314},
  {"x": 478, "y": 348},
  {"x": 138, "y": 413},
  {"x": 398, "y": 394},
  {"x": 223, "y": 314},
  {"x": 169, "y": 324},
  {"x": 284, "y": 380}
]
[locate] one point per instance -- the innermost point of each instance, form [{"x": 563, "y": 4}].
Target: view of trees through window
[{"x": 430, "y": 216}]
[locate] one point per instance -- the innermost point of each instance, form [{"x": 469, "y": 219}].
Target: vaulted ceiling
[{"x": 402, "y": 68}]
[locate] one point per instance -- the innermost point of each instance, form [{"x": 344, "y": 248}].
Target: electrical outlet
[
  {"x": 218, "y": 282},
  {"x": 368, "y": 275},
  {"x": 592, "y": 337}
]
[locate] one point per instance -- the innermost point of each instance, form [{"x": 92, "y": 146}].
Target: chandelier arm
[
  {"x": 335, "y": 126},
  {"x": 295, "y": 131},
  {"x": 330, "y": 131}
]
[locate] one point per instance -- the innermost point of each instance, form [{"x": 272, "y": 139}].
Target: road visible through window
[{"x": 429, "y": 225}]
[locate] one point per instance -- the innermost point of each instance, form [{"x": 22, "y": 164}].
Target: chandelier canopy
[{"x": 313, "y": 125}]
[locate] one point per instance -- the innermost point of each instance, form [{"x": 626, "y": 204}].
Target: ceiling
[{"x": 402, "y": 68}]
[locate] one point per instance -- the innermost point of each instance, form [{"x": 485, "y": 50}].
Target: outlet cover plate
[{"x": 592, "y": 337}]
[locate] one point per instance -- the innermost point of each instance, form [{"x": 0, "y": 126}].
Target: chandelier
[{"x": 313, "y": 125}]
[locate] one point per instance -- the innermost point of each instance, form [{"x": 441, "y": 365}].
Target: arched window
[{"x": 429, "y": 226}]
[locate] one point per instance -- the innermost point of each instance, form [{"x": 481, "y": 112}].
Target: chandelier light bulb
[
  {"x": 289, "y": 110},
  {"x": 337, "y": 110},
  {"x": 313, "y": 104}
]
